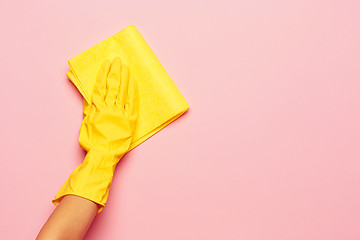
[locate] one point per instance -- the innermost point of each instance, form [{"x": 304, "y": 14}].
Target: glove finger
[
  {"x": 123, "y": 89},
  {"x": 113, "y": 81},
  {"x": 99, "y": 91},
  {"x": 133, "y": 97}
]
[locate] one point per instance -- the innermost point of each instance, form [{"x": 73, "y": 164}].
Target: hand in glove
[{"x": 105, "y": 133}]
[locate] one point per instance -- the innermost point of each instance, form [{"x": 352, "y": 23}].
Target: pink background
[{"x": 269, "y": 149}]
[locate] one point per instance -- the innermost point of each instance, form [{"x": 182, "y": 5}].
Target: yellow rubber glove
[{"x": 105, "y": 133}]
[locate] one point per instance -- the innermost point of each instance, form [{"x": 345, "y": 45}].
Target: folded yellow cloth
[{"x": 160, "y": 101}]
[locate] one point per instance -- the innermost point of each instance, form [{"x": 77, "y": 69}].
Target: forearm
[{"x": 70, "y": 220}]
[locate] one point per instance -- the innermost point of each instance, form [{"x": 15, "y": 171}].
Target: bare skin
[{"x": 70, "y": 220}]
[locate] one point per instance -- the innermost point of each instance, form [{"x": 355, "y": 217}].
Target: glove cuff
[{"x": 91, "y": 179}]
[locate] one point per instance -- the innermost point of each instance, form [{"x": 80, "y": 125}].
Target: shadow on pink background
[{"x": 268, "y": 150}]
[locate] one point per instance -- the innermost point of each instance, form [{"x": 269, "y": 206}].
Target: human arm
[
  {"x": 72, "y": 209},
  {"x": 106, "y": 134}
]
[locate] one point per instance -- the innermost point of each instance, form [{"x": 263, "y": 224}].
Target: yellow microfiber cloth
[{"x": 160, "y": 101}]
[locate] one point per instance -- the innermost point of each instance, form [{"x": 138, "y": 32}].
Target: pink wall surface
[{"x": 269, "y": 149}]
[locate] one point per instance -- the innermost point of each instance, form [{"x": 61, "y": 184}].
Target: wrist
[{"x": 92, "y": 179}]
